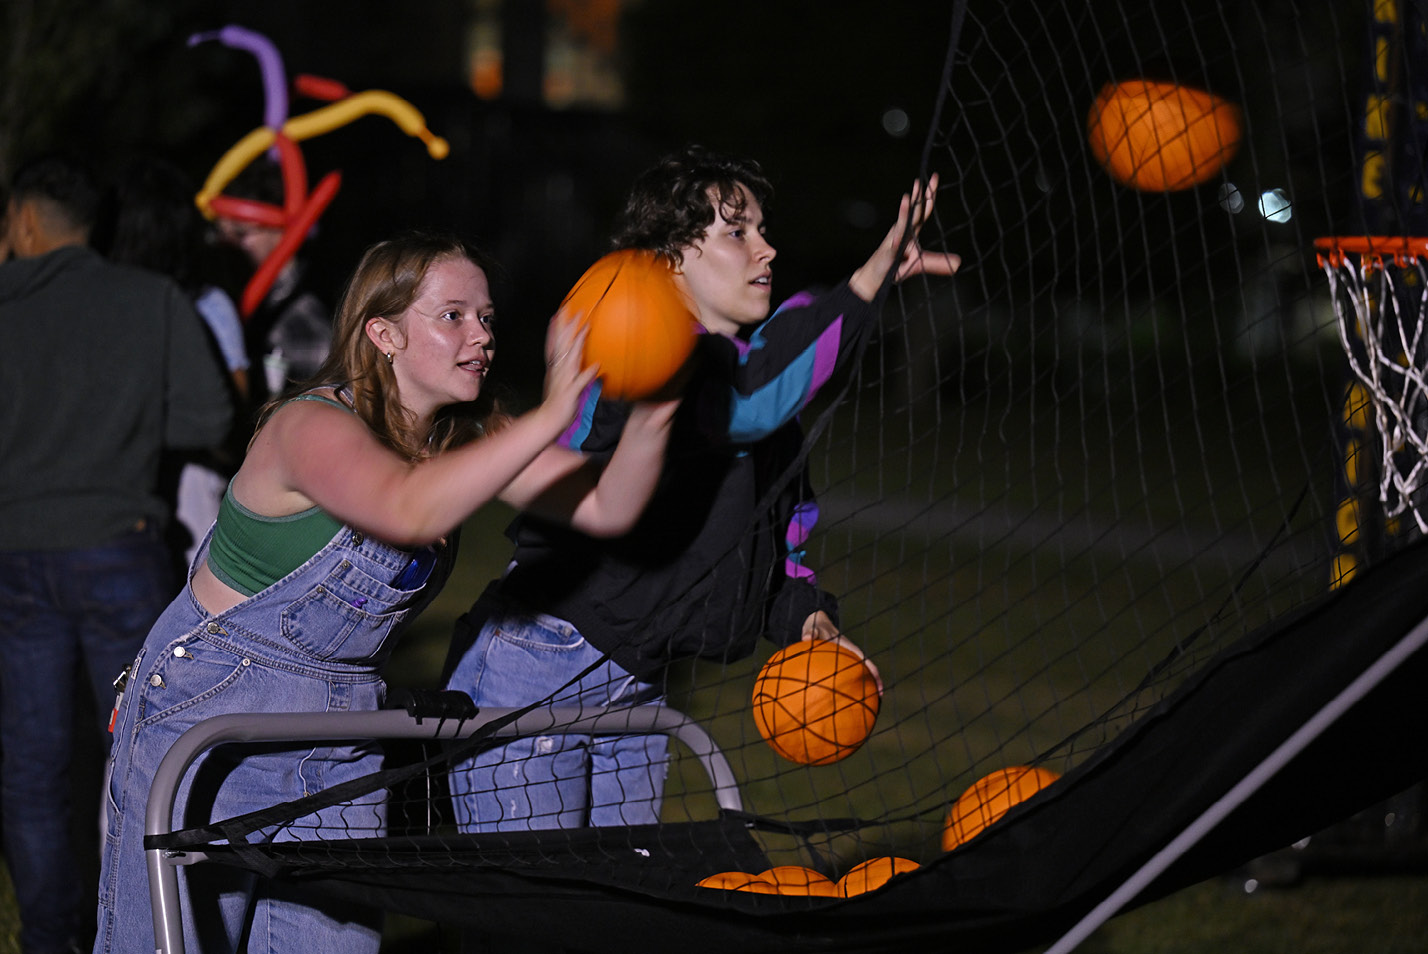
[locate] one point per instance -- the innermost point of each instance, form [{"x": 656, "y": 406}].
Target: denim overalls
[
  {"x": 564, "y": 780},
  {"x": 311, "y": 642}
]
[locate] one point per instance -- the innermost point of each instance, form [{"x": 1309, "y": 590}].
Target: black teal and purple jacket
[{"x": 716, "y": 559}]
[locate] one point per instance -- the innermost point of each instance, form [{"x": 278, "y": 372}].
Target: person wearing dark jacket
[
  {"x": 104, "y": 366},
  {"x": 716, "y": 559}
]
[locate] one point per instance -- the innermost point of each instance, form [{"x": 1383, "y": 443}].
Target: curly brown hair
[{"x": 671, "y": 204}]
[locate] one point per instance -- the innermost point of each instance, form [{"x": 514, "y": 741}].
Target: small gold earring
[{"x": 389, "y": 356}]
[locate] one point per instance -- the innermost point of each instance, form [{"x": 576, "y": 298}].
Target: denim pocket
[
  {"x": 187, "y": 674},
  {"x": 537, "y": 633},
  {"x": 345, "y": 618},
  {"x": 117, "y": 763},
  {"x": 518, "y": 660}
]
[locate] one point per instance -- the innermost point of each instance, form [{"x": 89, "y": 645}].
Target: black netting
[{"x": 1102, "y": 504}]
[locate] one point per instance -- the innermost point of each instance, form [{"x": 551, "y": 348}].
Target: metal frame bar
[
  {"x": 386, "y": 724},
  {"x": 1255, "y": 779}
]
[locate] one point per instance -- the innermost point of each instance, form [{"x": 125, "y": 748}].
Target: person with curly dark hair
[
  {"x": 716, "y": 560},
  {"x": 672, "y": 204}
]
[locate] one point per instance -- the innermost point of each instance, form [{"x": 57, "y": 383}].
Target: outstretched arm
[
  {"x": 602, "y": 501},
  {"x": 311, "y": 453},
  {"x": 913, "y": 211}
]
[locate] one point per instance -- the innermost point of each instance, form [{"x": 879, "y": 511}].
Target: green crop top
[{"x": 251, "y": 552}]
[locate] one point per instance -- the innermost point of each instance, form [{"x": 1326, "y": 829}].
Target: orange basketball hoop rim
[
  {"x": 1378, "y": 286},
  {"x": 1402, "y": 250}
]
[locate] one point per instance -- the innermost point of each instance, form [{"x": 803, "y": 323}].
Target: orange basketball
[
  {"x": 1160, "y": 137},
  {"x": 640, "y": 330},
  {"x": 815, "y": 702},
  {"x": 739, "y": 881},
  {"x": 873, "y": 873},
  {"x": 989, "y": 798},
  {"x": 796, "y": 879}
]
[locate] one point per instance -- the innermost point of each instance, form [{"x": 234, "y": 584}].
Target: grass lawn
[{"x": 992, "y": 651}]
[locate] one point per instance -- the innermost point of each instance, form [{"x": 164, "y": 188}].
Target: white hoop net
[{"x": 1381, "y": 299}]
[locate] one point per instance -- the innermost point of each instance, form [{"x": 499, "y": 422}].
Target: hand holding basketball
[
  {"x": 639, "y": 329},
  {"x": 819, "y": 625},
  {"x": 815, "y": 702},
  {"x": 565, "y": 375}
]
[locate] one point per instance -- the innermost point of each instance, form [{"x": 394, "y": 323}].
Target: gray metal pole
[{"x": 1247, "y": 786}]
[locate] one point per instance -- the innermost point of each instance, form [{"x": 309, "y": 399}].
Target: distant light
[
  {"x": 1231, "y": 199},
  {"x": 1274, "y": 205},
  {"x": 896, "y": 123}
]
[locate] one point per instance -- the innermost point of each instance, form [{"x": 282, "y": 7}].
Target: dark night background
[
  {"x": 1078, "y": 299},
  {"x": 801, "y": 86}
]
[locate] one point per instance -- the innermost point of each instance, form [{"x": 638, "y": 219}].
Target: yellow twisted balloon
[{"x": 315, "y": 123}]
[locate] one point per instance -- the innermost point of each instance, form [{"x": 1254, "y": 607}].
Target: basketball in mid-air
[
  {"x": 815, "y": 702},
  {"x": 989, "y": 798},
  {"x": 873, "y": 873},
  {"x": 639, "y": 328},
  {"x": 1160, "y": 137}
]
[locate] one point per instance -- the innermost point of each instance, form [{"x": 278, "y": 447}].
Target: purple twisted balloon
[{"x": 270, "y": 63}]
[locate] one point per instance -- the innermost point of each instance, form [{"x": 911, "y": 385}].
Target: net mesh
[
  {"x": 1380, "y": 306},
  {"x": 1121, "y": 440}
]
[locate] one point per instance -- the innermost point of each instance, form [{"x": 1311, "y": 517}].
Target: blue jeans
[
  {"x": 61, "y": 611},
  {"x": 311, "y": 642},
  {"x": 553, "y": 781}
]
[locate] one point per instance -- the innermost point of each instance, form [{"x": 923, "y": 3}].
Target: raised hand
[{"x": 913, "y": 210}]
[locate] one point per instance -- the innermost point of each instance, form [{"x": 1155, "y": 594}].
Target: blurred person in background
[
  {"x": 104, "y": 366},
  {"x": 157, "y": 226},
  {"x": 288, "y": 335}
]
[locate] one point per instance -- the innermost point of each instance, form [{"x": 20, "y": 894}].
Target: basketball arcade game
[
  {"x": 431, "y": 719},
  {"x": 1376, "y": 284},
  {"x": 1244, "y": 705}
]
